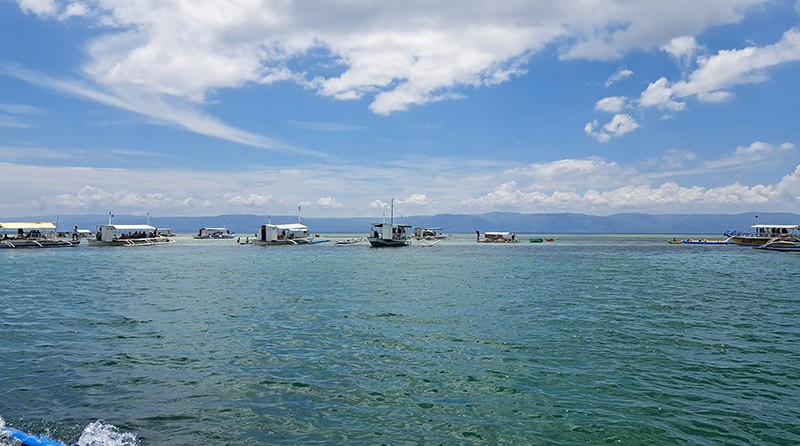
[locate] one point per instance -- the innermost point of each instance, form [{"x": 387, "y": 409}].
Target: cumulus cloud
[
  {"x": 718, "y": 73},
  {"x": 329, "y": 202},
  {"x": 658, "y": 94},
  {"x": 396, "y": 55},
  {"x": 378, "y": 204},
  {"x": 611, "y": 104},
  {"x": 619, "y": 125},
  {"x": 416, "y": 199},
  {"x": 682, "y": 49},
  {"x": 44, "y": 8}
]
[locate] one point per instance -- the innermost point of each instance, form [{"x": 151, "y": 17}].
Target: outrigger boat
[
  {"x": 497, "y": 237},
  {"x": 761, "y": 234},
  {"x": 128, "y": 235},
  {"x": 389, "y": 235},
  {"x": 206, "y": 233},
  {"x": 784, "y": 244},
  {"x": 37, "y": 234},
  {"x": 288, "y": 234},
  {"x": 430, "y": 234}
]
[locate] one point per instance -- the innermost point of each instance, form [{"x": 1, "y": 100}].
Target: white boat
[
  {"x": 351, "y": 241},
  {"x": 430, "y": 234},
  {"x": 128, "y": 235},
  {"x": 37, "y": 234},
  {"x": 205, "y": 233},
  {"x": 286, "y": 234},
  {"x": 497, "y": 237},
  {"x": 785, "y": 244},
  {"x": 761, "y": 234},
  {"x": 389, "y": 235}
]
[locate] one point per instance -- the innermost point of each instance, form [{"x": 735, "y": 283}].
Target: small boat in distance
[
  {"x": 389, "y": 235},
  {"x": 705, "y": 241},
  {"x": 207, "y": 233},
  {"x": 422, "y": 233},
  {"x": 497, "y": 237},
  {"x": 761, "y": 234},
  {"x": 36, "y": 234},
  {"x": 351, "y": 241}
]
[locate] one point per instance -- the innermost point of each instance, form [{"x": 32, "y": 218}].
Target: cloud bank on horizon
[{"x": 198, "y": 108}]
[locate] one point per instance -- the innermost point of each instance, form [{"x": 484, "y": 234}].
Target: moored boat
[
  {"x": 286, "y": 234},
  {"x": 37, "y": 234},
  {"x": 497, "y": 237},
  {"x": 761, "y": 234},
  {"x": 705, "y": 241},
  {"x": 789, "y": 244},
  {"x": 389, "y": 235},
  {"x": 218, "y": 233},
  {"x": 128, "y": 235},
  {"x": 423, "y": 233}
]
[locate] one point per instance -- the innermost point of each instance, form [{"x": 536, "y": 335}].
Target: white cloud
[
  {"x": 44, "y": 8},
  {"x": 611, "y": 104},
  {"x": 682, "y": 49},
  {"x": 416, "y": 199},
  {"x": 659, "y": 95},
  {"x": 619, "y": 125},
  {"x": 75, "y": 9},
  {"x": 716, "y": 74},
  {"x": 622, "y": 73},
  {"x": 329, "y": 202},
  {"x": 396, "y": 54},
  {"x": 378, "y": 204}
]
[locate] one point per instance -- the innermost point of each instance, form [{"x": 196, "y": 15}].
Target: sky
[{"x": 341, "y": 107}]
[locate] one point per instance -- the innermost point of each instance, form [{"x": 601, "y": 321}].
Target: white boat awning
[
  {"x": 775, "y": 226},
  {"x": 292, "y": 227},
  {"x": 28, "y": 225},
  {"x": 131, "y": 227}
]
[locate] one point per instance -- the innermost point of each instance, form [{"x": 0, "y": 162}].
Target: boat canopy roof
[
  {"x": 28, "y": 225},
  {"x": 396, "y": 225},
  {"x": 214, "y": 229},
  {"x": 289, "y": 226},
  {"x": 497, "y": 233},
  {"x": 130, "y": 227},
  {"x": 775, "y": 226}
]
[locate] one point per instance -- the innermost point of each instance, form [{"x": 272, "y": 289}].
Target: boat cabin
[
  {"x": 283, "y": 234},
  {"x": 214, "y": 233},
  {"x": 112, "y": 233}
]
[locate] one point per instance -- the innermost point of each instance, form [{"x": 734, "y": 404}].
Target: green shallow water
[{"x": 588, "y": 340}]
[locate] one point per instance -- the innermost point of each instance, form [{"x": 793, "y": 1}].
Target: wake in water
[{"x": 95, "y": 434}]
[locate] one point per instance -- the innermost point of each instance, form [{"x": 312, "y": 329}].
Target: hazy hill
[{"x": 457, "y": 223}]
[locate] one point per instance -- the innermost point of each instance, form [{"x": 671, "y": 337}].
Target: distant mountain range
[{"x": 630, "y": 223}]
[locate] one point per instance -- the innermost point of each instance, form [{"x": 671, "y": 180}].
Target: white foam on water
[{"x": 100, "y": 434}]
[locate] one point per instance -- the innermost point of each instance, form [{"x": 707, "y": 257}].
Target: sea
[{"x": 587, "y": 340}]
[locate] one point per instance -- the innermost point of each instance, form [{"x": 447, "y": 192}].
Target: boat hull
[
  {"x": 37, "y": 244},
  {"x": 377, "y": 242},
  {"x": 132, "y": 242}
]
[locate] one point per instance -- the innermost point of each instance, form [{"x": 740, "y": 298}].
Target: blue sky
[{"x": 207, "y": 107}]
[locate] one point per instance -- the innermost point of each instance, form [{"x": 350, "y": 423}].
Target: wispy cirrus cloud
[{"x": 160, "y": 109}]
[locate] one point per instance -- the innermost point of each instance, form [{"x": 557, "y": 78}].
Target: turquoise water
[{"x": 589, "y": 340}]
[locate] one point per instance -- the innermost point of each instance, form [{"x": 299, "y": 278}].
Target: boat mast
[{"x": 391, "y": 218}]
